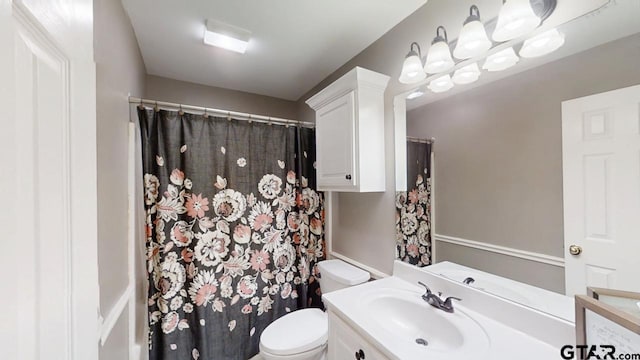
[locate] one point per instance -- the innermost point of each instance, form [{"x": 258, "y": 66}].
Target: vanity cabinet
[
  {"x": 346, "y": 344},
  {"x": 350, "y": 133}
]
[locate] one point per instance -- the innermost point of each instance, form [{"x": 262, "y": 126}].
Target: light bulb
[
  {"x": 473, "y": 39},
  {"x": 467, "y": 74},
  {"x": 542, "y": 44},
  {"x": 439, "y": 56},
  {"x": 516, "y": 19},
  {"x": 501, "y": 60}
]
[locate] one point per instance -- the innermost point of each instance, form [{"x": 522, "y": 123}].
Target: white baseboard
[
  {"x": 522, "y": 254},
  {"x": 376, "y": 274}
]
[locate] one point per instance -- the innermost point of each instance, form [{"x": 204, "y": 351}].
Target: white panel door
[
  {"x": 601, "y": 169},
  {"x": 49, "y": 186},
  {"x": 336, "y": 148}
]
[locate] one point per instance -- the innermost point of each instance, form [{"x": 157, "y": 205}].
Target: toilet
[{"x": 303, "y": 334}]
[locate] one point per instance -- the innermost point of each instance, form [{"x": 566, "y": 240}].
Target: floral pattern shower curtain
[
  {"x": 413, "y": 207},
  {"x": 234, "y": 231}
]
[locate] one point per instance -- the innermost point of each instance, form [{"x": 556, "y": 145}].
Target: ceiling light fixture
[
  {"x": 501, "y": 60},
  {"x": 516, "y": 18},
  {"x": 439, "y": 56},
  {"x": 542, "y": 44},
  {"x": 467, "y": 74},
  {"x": 441, "y": 84},
  {"x": 473, "y": 39},
  {"x": 226, "y": 36},
  {"x": 415, "y": 94},
  {"x": 412, "y": 71}
]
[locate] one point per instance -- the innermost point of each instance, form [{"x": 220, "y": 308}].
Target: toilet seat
[{"x": 297, "y": 332}]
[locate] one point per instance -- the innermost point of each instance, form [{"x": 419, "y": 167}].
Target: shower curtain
[
  {"x": 413, "y": 207},
  {"x": 234, "y": 228}
]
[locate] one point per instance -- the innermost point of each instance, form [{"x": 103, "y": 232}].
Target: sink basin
[
  {"x": 414, "y": 326},
  {"x": 412, "y": 321}
]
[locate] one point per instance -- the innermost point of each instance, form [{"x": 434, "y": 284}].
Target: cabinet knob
[
  {"x": 360, "y": 355},
  {"x": 348, "y": 177}
]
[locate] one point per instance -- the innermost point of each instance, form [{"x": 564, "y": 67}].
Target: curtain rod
[
  {"x": 415, "y": 139},
  {"x": 227, "y": 113}
]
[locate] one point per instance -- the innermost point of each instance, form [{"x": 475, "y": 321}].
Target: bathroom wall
[
  {"x": 499, "y": 156},
  {"x": 165, "y": 89},
  {"x": 364, "y": 223},
  {"x": 120, "y": 71}
]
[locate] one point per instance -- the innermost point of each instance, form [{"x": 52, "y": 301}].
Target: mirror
[{"x": 480, "y": 177}]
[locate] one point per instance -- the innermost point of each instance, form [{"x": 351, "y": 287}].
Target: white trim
[
  {"x": 522, "y": 254},
  {"x": 433, "y": 203},
  {"x": 107, "y": 324},
  {"x": 328, "y": 221},
  {"x": 134, "y": 351},
  {"x": 376, "y": 274}
]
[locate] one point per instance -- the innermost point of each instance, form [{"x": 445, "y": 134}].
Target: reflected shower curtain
[
  {"x": 413, "y": 207},
  {"x": 234, "y": 230}
]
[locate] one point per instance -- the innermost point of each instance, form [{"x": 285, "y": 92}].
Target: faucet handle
[
  {"x": 428, "y": 291},
  {"x": 447, "y": 301}
]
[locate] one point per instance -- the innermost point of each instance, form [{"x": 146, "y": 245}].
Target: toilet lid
[{"x": 296, "y": 332}]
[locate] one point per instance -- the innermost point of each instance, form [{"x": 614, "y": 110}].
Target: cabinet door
[
  {"x": 335, "y": 143},
  {"x": 346, "y": 344}
]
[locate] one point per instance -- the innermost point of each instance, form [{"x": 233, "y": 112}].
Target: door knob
[{"x": 575, "y": 250}]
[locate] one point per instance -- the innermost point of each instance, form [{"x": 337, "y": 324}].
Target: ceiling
[
  {"x": 295, "y": 44},
  {"x": 615, "y": 20}
]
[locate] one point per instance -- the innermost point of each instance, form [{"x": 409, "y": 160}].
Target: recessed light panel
[{"x": 226, "y": 36}]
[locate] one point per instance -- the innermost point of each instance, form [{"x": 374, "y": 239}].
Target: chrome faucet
[{"x": 436, "y": 300}]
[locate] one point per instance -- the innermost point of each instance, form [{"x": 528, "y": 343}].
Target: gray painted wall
[
  {"x": 120, "y": 71},
  {"x": 165, "y": 89},
  {"x": 498, "y": 156}
]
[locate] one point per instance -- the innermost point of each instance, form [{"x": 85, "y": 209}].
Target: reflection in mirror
[
  {"x": 530, "y": 161},
  {"x": 413, "y": 206}
]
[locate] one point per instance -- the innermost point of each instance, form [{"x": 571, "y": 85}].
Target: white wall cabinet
[
  {"x": 345, "y": 343},
  {"x": 350, "y": 132}
]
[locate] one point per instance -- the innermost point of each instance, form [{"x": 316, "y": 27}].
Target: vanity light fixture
[
  {"x": 441, "y": 84},
  {"x": 439, "y": 56},
  {"x": 415, "y": 94},
  {"x": 226, "y": 36},
  {"x": 412, "y": 70},
  {"x": 467, "y": 74},
  {"x": 473, "y": 40},
  {"x": 501, "y": 60},
  {"x": 542, "y": 44},
  {"x": 516, "y": 18}
]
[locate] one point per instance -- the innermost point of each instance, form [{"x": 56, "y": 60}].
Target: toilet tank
[{"x": 337, "y": 274}]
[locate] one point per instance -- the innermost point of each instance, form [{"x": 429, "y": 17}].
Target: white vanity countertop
[
  {"x": 504, "y": 342},
  {"x": 541, "y": 299}
]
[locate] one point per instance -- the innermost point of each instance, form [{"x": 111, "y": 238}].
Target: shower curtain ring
[
  {"x": 250, "y": 121},
  {"x": 155, "y": 108},
  {"x": 269, "y": 121},
  {"x": 181, "y": 112},
  {"x": 206, "y": 115},
  {"x": 229, "y": 115}
]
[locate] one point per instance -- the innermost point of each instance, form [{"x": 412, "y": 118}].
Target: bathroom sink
[{"x": 419, "y": 329}]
